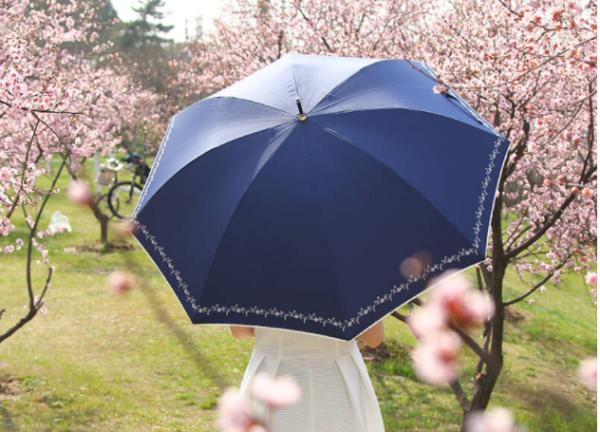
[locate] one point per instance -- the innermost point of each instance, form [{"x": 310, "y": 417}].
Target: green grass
[{"x": 96, "y": 362}]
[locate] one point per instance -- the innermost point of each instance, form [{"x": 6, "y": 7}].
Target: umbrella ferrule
[{"x": 302, "y": 116}]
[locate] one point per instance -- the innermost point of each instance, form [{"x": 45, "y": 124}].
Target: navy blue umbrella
[{"x": 289, "y": 199}]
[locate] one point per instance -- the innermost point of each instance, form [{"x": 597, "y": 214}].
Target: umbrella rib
[
  {"x": 494, "y": 131},
  {"x": 294, "y": 78},
  {"x": 252, "y": 101},
  {"x": 348, "y": 78},
  {"x": 283, "y": 135},
  {"x": 337, "y": 289},
  {"x": 216, "y": 147},
  {"x": 332, "y": 132}
]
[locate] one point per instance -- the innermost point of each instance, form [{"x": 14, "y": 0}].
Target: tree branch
[{"x": 514, "y": 252}]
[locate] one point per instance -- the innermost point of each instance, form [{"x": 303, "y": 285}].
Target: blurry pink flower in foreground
[
  {"x": 591, "y": 278},
  {"x": 235, "y": 414},
  {"x": 452, "y": 300},
  {"x": 125, "y": 229},
  {"x": 427, "y": 320},
  {"x": 80, "y": 193},
  {"x": 120, "y": 282},
  {"x": 588, "y": 373},
  {"x": 587, "y": 193},
  {"x": 435, "y": 358},
  {"x": 464, "y": 305},
  {"x": 542, "y": 289},
  {"x": 531, "y": 301},
  {"x": 416, "y": 264},
  {"x": 276, "y": 392},
  {"x": 493, "y": 420}
]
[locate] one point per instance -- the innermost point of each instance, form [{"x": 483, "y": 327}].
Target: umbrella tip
[{"x": 302, "y": 116}]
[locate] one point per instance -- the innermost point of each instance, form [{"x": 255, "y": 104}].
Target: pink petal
[
  {"x": 234, "y": 411},
  {"x": 493, "y": 420},
  {"x": 588, "y": 373},
  {"x": 276, "y": 392}
]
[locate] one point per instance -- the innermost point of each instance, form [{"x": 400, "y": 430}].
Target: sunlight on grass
[{"x": 101, "y": 362}]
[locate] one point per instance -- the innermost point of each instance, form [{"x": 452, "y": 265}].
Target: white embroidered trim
[
  {"x": 484, "y": 193},
  {"x": 294, "y": 314},
  {"x": 161, "y": 151},
  {"x": 312, "y": 317}
]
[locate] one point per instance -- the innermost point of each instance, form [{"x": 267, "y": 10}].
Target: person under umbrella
[
  {"x": 336, "y": 393},
  {"x": 293, "y": 196}
]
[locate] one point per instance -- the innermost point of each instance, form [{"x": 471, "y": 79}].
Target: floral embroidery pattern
[{"x": 207, "y": 310}]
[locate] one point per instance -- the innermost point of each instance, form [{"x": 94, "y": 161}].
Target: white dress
[{"x": 337, "y": 394}]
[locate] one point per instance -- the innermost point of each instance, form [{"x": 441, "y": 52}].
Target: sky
[{"x": 181, "y": 10}]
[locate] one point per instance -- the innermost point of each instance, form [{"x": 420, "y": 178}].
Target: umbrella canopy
[{"x": 289, "y": 199}]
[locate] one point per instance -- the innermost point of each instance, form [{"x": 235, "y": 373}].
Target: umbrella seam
[
  {"x": 293, "y": 314},
  {"x": 290, "y": 122},
  {"x": 496, "y": 133},
  {"x": 348, "y": 78},
  {"x": 294, "y": 76},
  {"x": 251, "y": 101},
  {"x": 465, "y": 105},
  {"x": 337, "y": 135},
  {"x": 287, "y": 131},
  {"x": 155, "y": 166},
  {"x": 337, "y": 290}
]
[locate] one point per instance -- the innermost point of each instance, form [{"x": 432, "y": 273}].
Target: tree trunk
[
  {"x": 103, "y": 219},
  {"x": 484, "y": 384}
]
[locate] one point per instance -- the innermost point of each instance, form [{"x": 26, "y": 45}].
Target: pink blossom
[
  {"x": 120, "y": 282},
  {"x": 277, "y": 392},
  {"x": 9, "y": 249},
  {"x": 80, "y": 193},
  {"x": 435, "y": 358},
  {"x": 542, "y": 289},
  {"x": 588, "y": 373},
  {"x": 575, "y": 7},
  {"x": 125, "y": 229},
  {"x": 591, "y": 278},
  {"x": 234, "y": 411},
  {"x": 531, "y": 301},
  {"x": 493, "y": 420},
  {"x": 465, "y": 305},
  {"x": 440, "y": 89},
  {"x": 429, "y": 319},
  {"x": 415, "y": 265},
  {"x": 587, "y": 193}
]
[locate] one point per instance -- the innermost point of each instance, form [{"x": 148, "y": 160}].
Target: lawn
[{"x": 99, "y": 362}]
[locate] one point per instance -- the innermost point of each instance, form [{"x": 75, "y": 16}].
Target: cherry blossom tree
[
  {"x": 55, "y": 104},
  {"x": 528, "y": 67}
]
